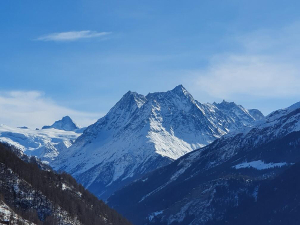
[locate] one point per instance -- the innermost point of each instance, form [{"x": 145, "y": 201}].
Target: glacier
[{"x": 46, "y": 144}]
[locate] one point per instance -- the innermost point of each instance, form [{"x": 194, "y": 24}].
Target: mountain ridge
[
  {"x": 141, "y": 133},
  {"x": 201, "y": 185}
]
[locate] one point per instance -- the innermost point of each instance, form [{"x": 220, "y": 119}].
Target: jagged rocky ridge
[
  {"x": 66, "y": 123},
  {"x": 142, "y": 133},
  {"x": 207, "y": 185},
  {"x": 29, "y": 195}
]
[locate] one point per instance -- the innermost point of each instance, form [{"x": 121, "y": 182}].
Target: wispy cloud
[
  {"x": 72, "y": 35},
  {"x": 268, "y": 67},
  {"x": 34, "y": 109},
  {"x": 251, "y": 75}
]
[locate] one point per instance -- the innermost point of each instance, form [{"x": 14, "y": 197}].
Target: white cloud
[
  {"x": 268, "y": 67},
  {"x": 72, "y": 35},
  {"x": 34, "y": 109},
  {"x": 252, "y": 75}
]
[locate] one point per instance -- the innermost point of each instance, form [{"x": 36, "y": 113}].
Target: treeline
[{"x": 60, "y": 189}]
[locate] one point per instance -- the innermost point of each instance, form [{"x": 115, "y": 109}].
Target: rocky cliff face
[{"x": 66, "y": 123}]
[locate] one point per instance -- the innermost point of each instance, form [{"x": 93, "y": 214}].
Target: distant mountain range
[
  {"x": 142, "y": 133},
  {"x": 46, "y": 144},
  {"x": 235, "y": 180}
]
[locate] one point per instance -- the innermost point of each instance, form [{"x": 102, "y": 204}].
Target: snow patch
[
  {"x": 259, "y": 165},
  {"x": 154, "y": 214}
]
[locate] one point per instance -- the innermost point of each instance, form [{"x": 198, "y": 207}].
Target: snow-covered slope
[
  {"x": 141, "y": 133},
  {"x": 46, "y": 144},
  {"x": 8, "y": 215},
  {"x": 202, "y": 185}
]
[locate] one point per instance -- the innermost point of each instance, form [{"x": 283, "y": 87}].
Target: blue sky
[{"x": 80, "y": 57}]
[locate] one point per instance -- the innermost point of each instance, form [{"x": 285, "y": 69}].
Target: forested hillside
[{"x": 45, "y": 197}]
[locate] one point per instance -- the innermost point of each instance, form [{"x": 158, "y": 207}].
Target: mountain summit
[
  {"x": 66, "y": 123},
  {"x": 141, "y": 133}
]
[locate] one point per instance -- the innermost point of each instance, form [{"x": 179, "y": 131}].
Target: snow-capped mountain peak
[
  {"x": 141, "y": 133},
  {"x": 180, "y": 90},
  {"x": 225, "y": 104},
  {"x": 130, "y": 101},
  {"x": 237, "y": 112},
  {"x": 66, "y": 123}
]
